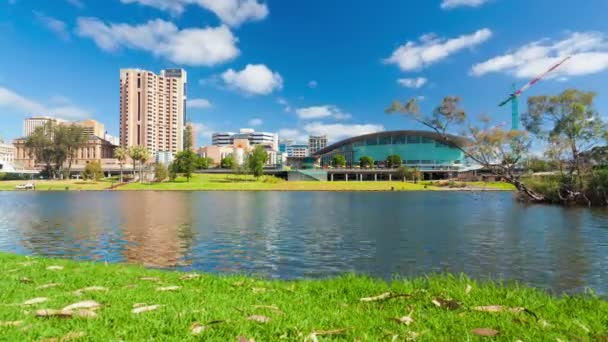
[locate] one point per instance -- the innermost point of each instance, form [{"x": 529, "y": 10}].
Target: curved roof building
[{"x": 424, "y": 150}]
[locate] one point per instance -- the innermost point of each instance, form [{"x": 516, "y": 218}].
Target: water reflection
[{"x": 297, "y": 235}]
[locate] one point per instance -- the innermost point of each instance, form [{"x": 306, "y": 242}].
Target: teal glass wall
[{"x": 415, "y": 151}]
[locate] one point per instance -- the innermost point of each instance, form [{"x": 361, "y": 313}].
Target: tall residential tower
[
  {"x": 153, "y": 109},
  {"x": 316, "y": 142}
]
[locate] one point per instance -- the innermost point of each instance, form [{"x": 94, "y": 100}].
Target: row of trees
[
  {"x": 565, "y": 126},
  {"x": 392, "y": 161}
]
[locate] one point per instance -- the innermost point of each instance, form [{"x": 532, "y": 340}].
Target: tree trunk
[{"x": 121, "y": 172}]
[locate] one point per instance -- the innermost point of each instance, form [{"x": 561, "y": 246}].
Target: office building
[
  {"x": 7, "y": 153},
  {"x": 297, "y": 150},
  {"x": 316, "y": 143},
  {"x": 153, "y": 109},
  {"x": 30, "y": 124},
  {"x": 254, "y": 138},
  {"x": 92, "y": 127},
  {"x": 238, "y": 150}
]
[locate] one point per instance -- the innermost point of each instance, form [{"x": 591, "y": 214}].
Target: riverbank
[
  {"x": 119, "y": 302},
  {"x": 221, "y": 182}
]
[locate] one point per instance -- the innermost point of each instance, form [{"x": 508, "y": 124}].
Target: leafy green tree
[
  {"x": 339, "y": 160},
  {"x": 135, "y": 153},
  {"x": 256, "y": 161},
  {"x": 121, "y": 155},
  {"x": 143, "y": 159},
  {"x": 185, "y": 163},
  {"x": 403, "y": 173},
  {"x": 188, "y": 137},
  {"x": 571, "y": 119},
  {"x": 173, "y": 171},
  {"x": 55, "y": 146},
  {"x": 227, "y": 162},
  {"x": 488, "y": 145},
  {"x": 203, "y": 163},
  {"x": 93, "y": 171},
  {"x": 366, "y": 161},
  {"x": 160, "y": 172},
  {"x": 416, "y": 175},
  {"x": 393, "y": 161}
]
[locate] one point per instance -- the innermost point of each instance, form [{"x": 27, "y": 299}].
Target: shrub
[
  {"x": 160, "y": 172},
  {"x": 93, "y": 171}
]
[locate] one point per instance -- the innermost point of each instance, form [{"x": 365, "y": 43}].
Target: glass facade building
[{"x": 420, "y": 149}]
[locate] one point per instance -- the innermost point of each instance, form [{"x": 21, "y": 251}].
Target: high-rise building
[
  {"x": 193, "y": 135},
  {"x": 92, "y": 127},
  {"x": 316, "y": 142},
  {"x": 153, "y": 109},
  {"x": 254, "y": 138}
]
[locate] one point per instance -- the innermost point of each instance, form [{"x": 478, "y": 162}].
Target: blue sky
[{"x": 293, "y": 66}]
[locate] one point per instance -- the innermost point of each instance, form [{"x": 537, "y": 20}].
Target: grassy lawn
[
  {"x": 47, "y": 185},
  {"x": 246, "y": 183},
  {"x": 129, "y": 303}
]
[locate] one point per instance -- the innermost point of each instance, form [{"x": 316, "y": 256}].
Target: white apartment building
[
  {"x": 316, "y": 142},
  {"x": 254, "y": 138},
  {"x": 153, "y": 109},
  {"x": 30, "y": 124}
]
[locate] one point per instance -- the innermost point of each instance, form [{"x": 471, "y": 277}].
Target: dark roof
[{"x": 447, "y": 139}]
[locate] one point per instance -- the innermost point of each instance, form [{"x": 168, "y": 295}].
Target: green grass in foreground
[{"x": 223, "y": 308}]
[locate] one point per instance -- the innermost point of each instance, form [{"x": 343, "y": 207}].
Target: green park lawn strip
[
  {"x": 111, "y": 302},
  {"x": 227, "y": 182}
]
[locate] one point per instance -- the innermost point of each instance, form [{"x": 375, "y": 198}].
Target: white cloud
[
  {"x": 338, "y": 131},
  {"x": 286, "y": 107},
  {"x": 231, "y": 12},
  {"x": 412, "y": 82},
  {"x": 193, "y": 46},
  {"x": 76, "y": 3},
  {"x": 198, "y": 103},
  {"x": 317, "y": 112},
  {"x": 589, "y": 51},
  {"x": 432, "y": 49},
  {"x": 313, "y": 84},
  {"x": 292, "y": 133},
  {"x": 59, "y": 27},
  {"x": 449, "y": 4},
  {"x": 255, "y": 79},
  {"x": 66, "y": 110},
  {"x": 255, "y": 122}
]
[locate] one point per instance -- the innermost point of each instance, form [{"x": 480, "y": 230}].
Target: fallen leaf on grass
[
  {"x": 468, "y": 289},
  {"x": 167, "y": 288},
  {"x": 79, "y": 292},
  {"x": 139, "y": 305},
  {"x": 498, "y": 308},
  {"x": 449, "y": 304},
  {"x": 385, "y": 296},
  {"x": 196, "y": 328},
  {"x": 258, "y": 289},
  {"x": 145, "y": 309},
  {"x": 87, "y": 304},
  {"x": 486, "y": 332},
  {"x": 45, "y": 313},
  {"x": 11, "y": 323},
  {"x": 189, "y": 276},
  {"x": 259, "y": 318},
  {"x": 150, "y": 278},
  {"x": 68, "y": 337},
  {"x": 244, "y": 339},
  {"x": 25, "y": 280},
  {"x": 54, "y": 268},
  {"x": 407, "y": 320},
  {"x": 46, "y": 286},
  {"x": 330, "y": 332},
  {"x": 35, "y": 301},
  {"x": 544, "y": 324},
  {"x": 238, "y": 283}
]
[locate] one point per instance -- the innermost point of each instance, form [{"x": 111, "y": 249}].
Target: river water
[{"x": 293, "y": 235}]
